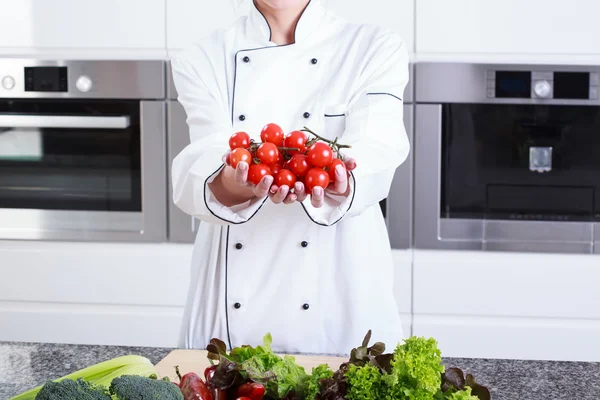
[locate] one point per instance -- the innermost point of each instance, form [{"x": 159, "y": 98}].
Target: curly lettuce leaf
[
  {"x": 365, "y": 383},
  {"x": 460, "y": 395},
  {"x": 313, "y": 387},
  {"x": 416, "y": 370}
]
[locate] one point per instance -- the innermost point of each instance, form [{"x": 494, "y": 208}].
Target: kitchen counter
[{"x": 26, "y": 365}]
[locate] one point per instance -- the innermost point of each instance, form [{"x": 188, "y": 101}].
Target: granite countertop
[{"x": 26, "y": 365}]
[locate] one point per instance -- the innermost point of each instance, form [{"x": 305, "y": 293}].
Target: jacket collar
[{"x": 308, "y": 22}]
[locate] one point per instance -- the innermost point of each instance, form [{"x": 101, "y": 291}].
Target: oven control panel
[{"x": 564, "y": 85}]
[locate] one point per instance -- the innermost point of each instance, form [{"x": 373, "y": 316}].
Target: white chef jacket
[{"x": 317, "y": 279}]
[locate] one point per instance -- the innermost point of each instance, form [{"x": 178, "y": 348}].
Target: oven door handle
[{"x": 63, "y": 121}]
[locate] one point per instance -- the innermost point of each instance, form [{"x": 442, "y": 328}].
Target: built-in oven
[
  {"x": 82, "y": 150},
  {"x": 507, "y": 157},
  {"x": 397, "y": 207}
]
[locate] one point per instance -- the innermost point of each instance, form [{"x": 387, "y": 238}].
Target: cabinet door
[
  {"x": 106, "y": 24},
  {"x": 397, "y": 15},
  {"x": 188, "y": 20},
  {"x": 507, "y": 26},
  {"x": 403, "y": 287}
]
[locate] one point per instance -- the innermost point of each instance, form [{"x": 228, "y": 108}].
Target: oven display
[
  {"x": 572, "y": 85},
  {"x": 46, "y": 79},
  {"x": 513, "y": 84}
]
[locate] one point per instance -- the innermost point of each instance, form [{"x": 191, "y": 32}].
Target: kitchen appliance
[
  {"x": 396, "y": 208},
  {"x": 82, "y": 150},
  {"x": 507, "y": 157}
]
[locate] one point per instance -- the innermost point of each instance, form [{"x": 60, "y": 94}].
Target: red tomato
[
  {"x": 267, "y": 153},
  {"x": 256, "y": 173},
  {"x": 285, "y": 177},
  {"x": 239, "y": 140},
  {"x": 316, "y": 177},
  {"x": 272, "y": 133},
  {"x": 320, "y": 155},
  {"x": 331, "y": 168},
  {"x": 298, "y": 164},
  {"x": 275, "y": 168},
  {"x": 296, "y": 139},
  {"x": 238, "y": 155}
]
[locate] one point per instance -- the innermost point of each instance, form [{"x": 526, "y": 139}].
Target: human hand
[
  {"x": 339, "y": 186},
  {"x": 235, "y": 180}
]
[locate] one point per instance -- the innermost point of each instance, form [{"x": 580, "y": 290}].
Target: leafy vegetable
[
  {"x": 365, "y": 383},
  {"x": 416, "y": 370},
  {"x": 454, "y": 380},
  {"x": 319, "y": 373},
  {"x": 461, "y": 395},
  {"x": 133, "y": 387},
  {"x": 282, "y": 377},
  {"x": 69, "y": 389}
]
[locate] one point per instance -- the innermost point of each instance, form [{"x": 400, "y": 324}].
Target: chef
[{"x": 315, "y": 270}]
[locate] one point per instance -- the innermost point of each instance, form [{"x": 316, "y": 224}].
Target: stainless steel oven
[
  {"x": 82, "y": 150},
  {"x": 396, "y": 208},
  {"x": 507, "y": 157}
]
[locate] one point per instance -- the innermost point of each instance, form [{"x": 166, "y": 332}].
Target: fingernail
[
  {"x": 298, "y": 186},
  {"x": 269, "y": 180},
  {"x": 273, "y": 190},
  {"x": 284, "y": 188},
  {"x": 243, "y": 166},
  {"x": 318, "y": 190},
  {"x": 339, "y": 170}
]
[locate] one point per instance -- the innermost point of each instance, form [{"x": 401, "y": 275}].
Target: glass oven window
[
  {"x": 70, "y": 155},
  {"x": 520, "y": 162}
]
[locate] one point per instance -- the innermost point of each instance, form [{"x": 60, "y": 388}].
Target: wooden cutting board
[{"x": 196, "y": 361}]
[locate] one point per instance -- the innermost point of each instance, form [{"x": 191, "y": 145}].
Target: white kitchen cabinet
[
  {"x": 397, "y": 15},
  {"x": 93, "y": 293},
  {"x": 508, "y": 27},
  {"x": 403, "y": 286},
  {"x": 82, "y": 24},
  {"x": 508, "y": 305},
  {"x": 188, "y": 21}
]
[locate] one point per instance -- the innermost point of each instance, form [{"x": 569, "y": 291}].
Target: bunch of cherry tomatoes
[{"x": 288, "y": 158}]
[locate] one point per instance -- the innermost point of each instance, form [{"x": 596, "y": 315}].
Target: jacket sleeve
[
  {"x": 375, "y": 130},
  {"x": 201, "y": 161}
]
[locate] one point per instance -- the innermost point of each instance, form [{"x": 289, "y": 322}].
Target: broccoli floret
[
  {"x": 132, "y": 387},
  {"x": 69, "y": 389}
]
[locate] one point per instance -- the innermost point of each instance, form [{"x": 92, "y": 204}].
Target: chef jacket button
[
  {"x": 239, "y": 246},
  {"x": 307, "y": 115},
  {"x": 314, "y": 61},
  {"x": 246, "y": 59},
  {"x": 237, "y": 306},
  {"x": 304, "y": 244},
  {"x": 305, "y": 306},
  {"x": 242, "y": 117}
]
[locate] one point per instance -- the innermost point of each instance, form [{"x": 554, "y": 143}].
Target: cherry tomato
[
  {"x": 275, "y": 168},
  {"x": 256, "y": 173},
  {"x": 239, "y": 140},
  {"x": 316, "y": 177},
  {"x": 267, "y": 153},
  {"x": 285, "y": 177},
  {"x": 298, "y": 164},
  {"x": 296, "y": 139},
  {"x": 238, "y": 155},
  {"x": 272, "y": 133},
  {"x": 331, "y": 168},
  {"x": 320, "y": 155}
]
